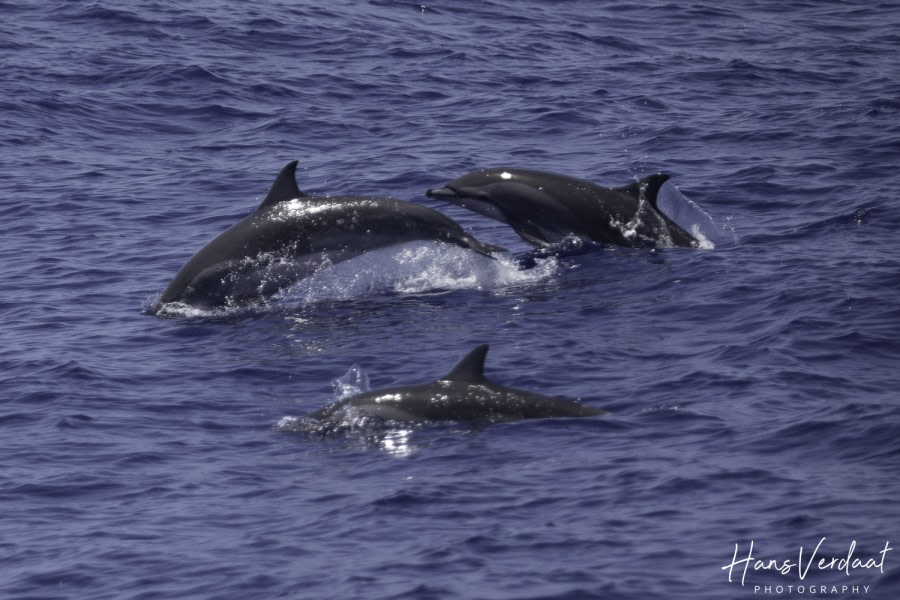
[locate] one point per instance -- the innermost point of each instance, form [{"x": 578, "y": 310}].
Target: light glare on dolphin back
[{"x": 299, "y": 206}]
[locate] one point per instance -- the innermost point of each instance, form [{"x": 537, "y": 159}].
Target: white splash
[
  {"x": 704, "y": 242},
  {"x": 414, "y": 268},
  {"x": 411, "y": 268},
  {"x": 690, "y": 217},
  {"x": 354, "y": 381}
]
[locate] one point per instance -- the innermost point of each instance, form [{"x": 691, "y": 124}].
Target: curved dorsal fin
[
  {"x": 284, "y": 188},
  {"x": 649, "y": 184},
  {"x": 471, "y": 368}
]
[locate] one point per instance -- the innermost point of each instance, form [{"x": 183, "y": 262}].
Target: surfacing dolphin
[
  {"x": 464, "y": 394},
  {"x": 545, "y": 208},
  {"x": 291, "y": 235}
]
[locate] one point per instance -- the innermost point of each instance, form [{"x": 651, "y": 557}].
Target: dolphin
[
  {"x": 463, "y": 394},
  {"x": 545, "y": 208},
  {"x": 290, "y": 235}
]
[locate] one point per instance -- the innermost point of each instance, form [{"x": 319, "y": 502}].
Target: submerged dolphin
[
  {"x": 291, "y": 235},
  {"x": 464, "y": 394},
  {"x": 545, "y": 208}
]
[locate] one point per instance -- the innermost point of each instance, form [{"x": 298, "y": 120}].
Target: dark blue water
[{"x": 754, "y": 386}]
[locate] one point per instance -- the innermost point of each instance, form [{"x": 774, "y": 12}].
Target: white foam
[
  {"x": 179, "y": 309},
  {"x": 289, "y": 424}
]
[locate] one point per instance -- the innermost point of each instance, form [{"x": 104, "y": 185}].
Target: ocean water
[{"x": 753, "y": 387}]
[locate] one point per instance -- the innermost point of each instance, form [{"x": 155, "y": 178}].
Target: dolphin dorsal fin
[
  {"x": 471, "y": 368},
  {"x": 284, "y": 188},
  {"x": 649, "y": 184}
]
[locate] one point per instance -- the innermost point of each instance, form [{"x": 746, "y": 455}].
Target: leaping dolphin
[
  {"x": 545, "y": 208},
  {"x": 464, "y": 394},
  {"x": 291, "y": 235}
]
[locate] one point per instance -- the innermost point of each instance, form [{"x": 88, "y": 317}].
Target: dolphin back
[
  {"x": 464, "y": 394},
  {"x": 290, "y": 235},
  {"x": 547, "y": 208}
]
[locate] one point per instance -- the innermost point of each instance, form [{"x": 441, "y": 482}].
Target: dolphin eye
[{"x": 505, "y": 175}]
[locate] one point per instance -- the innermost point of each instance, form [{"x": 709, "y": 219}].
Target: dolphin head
[
  {"x": 524, "y": 199},
  {"x": 481, "y": 191}
]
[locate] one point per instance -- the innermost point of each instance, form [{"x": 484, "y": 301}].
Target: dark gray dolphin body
[
  {"x": 291, "y": 235},
  {"x": 464, "y": 394},
  {"x": 544, "y": 208}
]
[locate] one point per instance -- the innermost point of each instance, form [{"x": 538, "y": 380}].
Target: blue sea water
[{"x": 754, "y": 387}]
